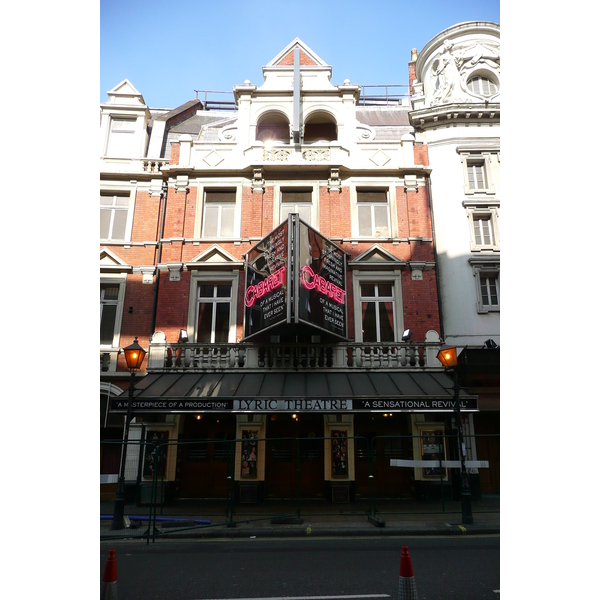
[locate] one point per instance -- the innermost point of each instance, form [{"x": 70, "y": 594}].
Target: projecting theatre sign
[
  {"x": 295, "y": 275},
  {"x": 291, "y": 405}
]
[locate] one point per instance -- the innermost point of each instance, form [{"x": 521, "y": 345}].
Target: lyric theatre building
[{"x": 271, "y": 255}]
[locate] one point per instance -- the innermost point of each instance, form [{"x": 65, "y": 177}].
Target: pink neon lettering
[
  {"x": 310, "y": 280},
  {"x": 272, "y": 282}
]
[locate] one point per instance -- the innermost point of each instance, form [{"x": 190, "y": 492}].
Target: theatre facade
[{"x": 275, "y": 258}]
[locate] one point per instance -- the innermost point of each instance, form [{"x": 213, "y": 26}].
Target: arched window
[
  {"x": 273, "y": 127},
  {"x": 320, "y": 127},
  {"x": 482, "y": 86}
]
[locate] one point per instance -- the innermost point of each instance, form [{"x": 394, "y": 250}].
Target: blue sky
[{"x": 168, "y": 50}]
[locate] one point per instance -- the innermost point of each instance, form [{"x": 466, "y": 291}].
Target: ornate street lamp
[
  {"x": 134, "y": 356},
  {"x": 447, "y": 356}
]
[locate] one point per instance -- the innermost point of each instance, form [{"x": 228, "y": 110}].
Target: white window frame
[
  {"x": 471, "y": 160},
  {"x": 389, "y": 277},
  {"x": 365, "y": 185},
  {"x": 114, "y": 132},
  {"x": 206, "y": 278},
  {"x": 278, "y": 203},
  {"x": 479, "y": 77},
  {"x": 116, "y": 281},
  {"x": 486, "y": 269},
  {"x": 474, "y": 214},
  {"x": 130, "y": 208},
  {"x": 201, "y": 203}
]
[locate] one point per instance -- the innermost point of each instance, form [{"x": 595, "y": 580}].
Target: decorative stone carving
[
  {"x": 380, "y": 158},
  {"x": 452, "y": 68},
  {"x": 212, "y": 159},
  {"x": 479, "y": 55},
  {"x": 410, "y": 183},
  {"x": 228, "y": 134},
  {"x": 182, "y": 183},
  {"x": 315, "y": 155},
  {"x": 279, "y": 155},
  {"x": 156, "y": 187},
  {"x": 364, "y": 133},
  {"x": 335, "y": 183},
  {"x": 258, "y": 183},
  {"x": 445, "y": 75},
  {"x": 175, "y": 271}
]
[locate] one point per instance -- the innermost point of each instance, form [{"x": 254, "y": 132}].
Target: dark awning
[{"x": 295, "y": 392}]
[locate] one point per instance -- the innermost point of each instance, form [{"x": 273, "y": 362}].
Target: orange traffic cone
[
  {"x": 109, "y": 581},
  {"x": 407, "y": 589}
]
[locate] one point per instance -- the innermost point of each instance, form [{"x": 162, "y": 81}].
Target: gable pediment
[
  {"x": 308, "y": 58},
  {"x": 215, "y": 256},
  {"x": 376, "y": 256},
  {"x": 111, "y": 263},
  {"x": 125, "y": 93}
]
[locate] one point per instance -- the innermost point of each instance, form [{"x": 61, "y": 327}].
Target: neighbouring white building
[{"x": 456, "y": 112}]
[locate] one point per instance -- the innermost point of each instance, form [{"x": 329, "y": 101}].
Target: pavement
[{"x": 198, "y": 520}]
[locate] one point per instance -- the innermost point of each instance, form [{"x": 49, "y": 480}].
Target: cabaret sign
[{"x": 295, "y": 275}]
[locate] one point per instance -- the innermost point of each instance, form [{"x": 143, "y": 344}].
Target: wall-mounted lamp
[
  {"x": 406, "y": 335},
  {"x": 183, "y": 337}
]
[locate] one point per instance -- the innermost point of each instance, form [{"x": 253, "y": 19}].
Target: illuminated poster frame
[
  {"x": 321, "y": 298},
  {"x": 295, "y": 275},
  {"x": 266, "y": 294}
]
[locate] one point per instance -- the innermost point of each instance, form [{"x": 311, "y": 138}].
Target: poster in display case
[{"x": 433, "y": 447}]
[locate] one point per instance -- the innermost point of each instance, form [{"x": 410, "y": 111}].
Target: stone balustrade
[{"x": 164, "y": 357}]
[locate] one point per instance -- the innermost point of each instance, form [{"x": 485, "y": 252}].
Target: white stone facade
[{"x": 456, "y": 102}]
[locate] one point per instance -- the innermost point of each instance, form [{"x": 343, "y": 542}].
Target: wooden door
[
  {"x": 206, "y": 456},
  {"x": 294, "y": 457}
]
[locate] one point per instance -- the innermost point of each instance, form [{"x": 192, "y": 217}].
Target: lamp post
[
  {"x": 134, "y": 356},
  {"x": 447, "y": 356}
]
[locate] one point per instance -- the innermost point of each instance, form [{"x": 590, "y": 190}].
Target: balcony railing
[{"x": 344, "y": 356}]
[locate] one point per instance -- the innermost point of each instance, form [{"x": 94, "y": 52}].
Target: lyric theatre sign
[
  {"x": 295, "y": 275},
  {"x": 290, "y": 405}
]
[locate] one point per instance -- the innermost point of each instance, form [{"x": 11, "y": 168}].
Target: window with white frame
[
  {"x": 212, "y": 312},
  {"x": 122, "y": 139},
  {"x": 477, "y": 178},
  {"x": 111, "y": 307},
  {"x": 219, "y": 213},
  {"x": 485, "y": 233},
  {"x": 477, "y": 172},
  {"x": 114, "y": 215},
  {"x": 377, "y": 307},
  {"x": 373, "y": 212},
  {"x": 297, "y": 201},
  {"x": 489, "y": 290},
  {"x": 482, "y": 86},
  {"x": 487, "y": 277}
]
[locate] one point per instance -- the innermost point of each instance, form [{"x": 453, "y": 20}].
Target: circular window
[{"x": 482, "y": 86}]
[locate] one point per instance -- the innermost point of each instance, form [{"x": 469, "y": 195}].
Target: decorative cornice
[{"x": 464, "y": 113}]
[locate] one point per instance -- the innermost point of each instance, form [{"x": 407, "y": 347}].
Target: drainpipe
[
  {"x": 158, "y": 256},
  {"x": 435, "y": 257}
]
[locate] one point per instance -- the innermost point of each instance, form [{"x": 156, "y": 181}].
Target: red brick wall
[
  {"x": 304, "y": 59},
  {"x": 411, "y": 75},
  {"x": 414, "y": 220},
  {"x": 174, "y": 158},
  {"x": 420, "y": 304},
  {"x": 421, "y": 154}
]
